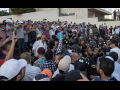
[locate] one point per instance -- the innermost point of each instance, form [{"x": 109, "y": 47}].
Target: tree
[
  {"x": 22, "y": 10},
  {"x": 4, "y": 13}
]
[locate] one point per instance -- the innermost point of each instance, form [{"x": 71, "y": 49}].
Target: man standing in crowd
[
  {"x": 114, "y": 13},
  {"x": 40, "y": 43}
]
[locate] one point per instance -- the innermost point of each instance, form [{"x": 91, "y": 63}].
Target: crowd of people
[{"x": 58, "y": 51}]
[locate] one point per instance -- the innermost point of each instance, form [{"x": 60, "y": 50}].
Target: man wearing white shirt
[
  {"x": 115, "y": 48},
  {"x": 74, "y": 29},
  {"x": 40, "y": 43},
  {"x": 117, "y": 31},
  {"x": 31, "y": 71},
  {"x": 52, "y": 31}
]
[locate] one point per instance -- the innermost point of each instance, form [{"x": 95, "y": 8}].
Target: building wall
[{"x": 52, "y": 15}]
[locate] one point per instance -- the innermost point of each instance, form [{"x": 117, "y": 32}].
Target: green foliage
[
  {"x": 4, "y": 13},
  {"x": 106, "y": 19},
  {"x": 22, "y": 10}
]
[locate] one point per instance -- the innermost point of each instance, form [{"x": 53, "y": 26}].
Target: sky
[{"x": 4, "y": 9}]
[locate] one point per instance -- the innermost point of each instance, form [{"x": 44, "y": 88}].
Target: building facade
[{"x": 80, "y": 12}]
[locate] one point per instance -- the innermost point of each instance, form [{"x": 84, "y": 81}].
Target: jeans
[
  {"x": 20, "y": 44},
  {"x": 26, "y": 45},
  {"x": 115, "y": 18}
]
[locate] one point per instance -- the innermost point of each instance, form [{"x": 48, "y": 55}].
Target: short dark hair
[
  {"x": 1, "y": 38},
  {"x": 107, "y": 66},
  {"x": 61, "y": 55},
  {"x": 25, "y": 56},
  {"x": 114, "y": 41},
  {"x": 49, "y": 55},
  {"x": 51, "y": 44},
  {"x": 39, "y": 38}
]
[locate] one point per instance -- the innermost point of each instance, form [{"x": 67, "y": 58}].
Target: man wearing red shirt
[{"x": 46, "y": 33}]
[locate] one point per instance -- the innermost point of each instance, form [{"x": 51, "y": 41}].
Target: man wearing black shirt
[
  {"x": 32, "y": 37},
  {"x": 91, "y": 69},
  {"x": 69, "y": 32},
  {"x": 65, "y": 39}
]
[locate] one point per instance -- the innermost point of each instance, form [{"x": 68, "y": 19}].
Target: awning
[{"x": 100, "y": 11}]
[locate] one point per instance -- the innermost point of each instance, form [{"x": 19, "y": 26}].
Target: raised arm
[
  {"x": 11, "y": 51},
  {"x": 4, "y": 42}
]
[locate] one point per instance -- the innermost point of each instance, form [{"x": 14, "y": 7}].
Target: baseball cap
[
  {"x": 74, "y": 75},
  {"x": 52, "y": 26},
  {"x": 64, "y": 63},
  {"x": 109, "y": 57},
  {"x": 38, "y": 35},
  {"x": 9, "y": 20},
  {"x": 45, "y": 75},
  {"x": 41, "y": 50},
  {"x": 12, "y": 67},
  {"x": 20, "y": 22}
]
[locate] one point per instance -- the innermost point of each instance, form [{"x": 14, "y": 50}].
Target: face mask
[
  {"x": 91, "y": 47},
  {"x": 2, "y": 28},
  {"x": 73, "y": 35},
  {"x": 54, "y": 29},
  {"x": 100, "y": 44}
]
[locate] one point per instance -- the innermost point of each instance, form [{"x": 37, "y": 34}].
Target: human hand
[
  {"x": 92, "y": 77},
  {"x": 14, "y": 38},
  {"x": 31, "y": 45},
  {"x": 93, "y": 66},
  {"x": 84, "y": 78},
  {"x": 7, "y": 39}
]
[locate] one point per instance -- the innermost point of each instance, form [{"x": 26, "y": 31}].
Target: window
[{"x": 90, "y": 15}]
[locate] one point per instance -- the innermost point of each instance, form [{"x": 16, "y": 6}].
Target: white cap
[
  {"x": 20, "y": 22},
  {"x": 38, "y": 35},
  {"x": 9, "y": 20},
  {"x": 12, "y": 67},
  {"x": 52, "y": 26},
  {"x": 109, "y": 57},
  {"x": 64, "y": 63}
]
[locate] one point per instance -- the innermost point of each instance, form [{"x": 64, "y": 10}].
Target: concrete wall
[{"x": 53, "y": 15}]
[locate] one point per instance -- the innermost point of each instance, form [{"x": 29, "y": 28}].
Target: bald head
[
  {"x": 90, "y": 53},
  {"x": 74, "y": 56},
  {"x": 43, "y": 37},
  {"x": 25, "y": 56}
]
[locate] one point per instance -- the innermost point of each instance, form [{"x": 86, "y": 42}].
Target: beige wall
[{"x": 52, "y": 15}]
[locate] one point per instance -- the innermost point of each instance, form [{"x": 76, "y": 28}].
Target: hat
[
  {"x": 74, "y": 75},
  {"x": 75, "y": 46},
  {"x": 20, "y": 22},
  {"x": 38, "y": 35},
  {"x": 41, "y": 77},
  {"x": 82, "y": 63},
  {"x": 109, "y": 57},
  {"x": 100, "y": 40},
  {"x": 48, "y": 72},
  {"x": 93, "y": 43},
  {"x": 64, "y": 63},
  {"x": 12, "y": 67},
  {"x": 52, "y": 26},
  {"x": 9, "y": 20},
  {"x": 41, "y": 50}
]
